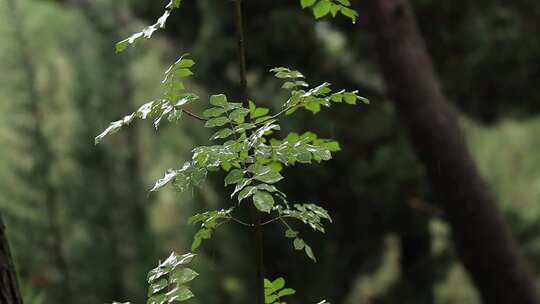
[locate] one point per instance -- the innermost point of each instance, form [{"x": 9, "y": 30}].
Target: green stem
[
  {"x": 256, "y": 220},
  {"x": 193, "y": 115}
]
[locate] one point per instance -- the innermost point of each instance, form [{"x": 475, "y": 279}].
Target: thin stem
[
  {"x": 272, "y": 220},
  {"x": 275, "y": 116},
  {"x": 241, "y": 52},
  {"x": 285, "y": 223},
  {"x": 241, "y": 222},
  {"x": 224, "y": 222},
  {"x": 257, "y": 233},
  {"x": 258, "y": 238},
  {"x": 188, "y": 113}
]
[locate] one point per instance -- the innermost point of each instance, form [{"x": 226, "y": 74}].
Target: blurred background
[{"x": 83, "y": 228}]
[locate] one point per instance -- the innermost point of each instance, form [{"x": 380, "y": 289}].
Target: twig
[
  {"x": 272, "y": 220},
  {"x": 188, "y": 113},
  {"x": 241, "y": 222},
  {"x": 285, "y": 223}
]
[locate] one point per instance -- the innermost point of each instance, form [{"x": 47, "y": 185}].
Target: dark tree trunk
[
  {"x": 9, "y": 287},
  {"x": 482, "y": 238}
]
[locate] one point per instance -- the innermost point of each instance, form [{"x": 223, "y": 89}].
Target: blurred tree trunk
[
  {"x": 42, "y": 154},
  {"x": 128, "y": 223},
  {"x": 9, "y": 286},
  {"x": 482, "y": 238}
]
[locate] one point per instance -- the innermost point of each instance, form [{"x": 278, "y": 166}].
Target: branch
[
  {"x": 241, "y": 222},
  {"x": 188, "y": 113}
]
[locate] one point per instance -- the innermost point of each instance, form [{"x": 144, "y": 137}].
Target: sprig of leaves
[
  {"x": 170, "y": 104},
  {"x": 312, "y": 99},
  {"x": 322, "y": 8},
  {"x": 209, "y": 221},
  {"x": 168, "y": 281},
  {"x": 246, "y": 148},
  {"x": 147, "y": 32},
  {"x": 275, "y": 290}
]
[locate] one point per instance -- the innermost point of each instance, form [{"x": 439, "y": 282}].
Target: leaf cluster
[
  {"x": 322, "y": 8},
  {"x": 170, "y": 104},
  {"x": 168, "y": 281},
  {"x": 147, "y": 32},
  {"x": 247, "y": 148},
  {"x": 275, "y": 290}
]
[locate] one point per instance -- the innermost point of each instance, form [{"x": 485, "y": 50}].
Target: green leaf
[
  {"x": 286, "y": 292},
  {"x": 263, "y": 201},
  {"x": 298, "y": 244},
  {"x": 283, "y": 72},
  {"x": 270, "y": 188},
  {"x": 234, "y": 177},
  {"x": 167, "y": 178},
  {"x": 241, "y": 128},
  {"x": 307, "y": 3},
  {"x": 270, "y": 299},
  {"x": 185, "y": 63},
  {"x": 198, "y": 176},
  {"x": 262, "y": 119},
  {"x": 275, "y": 166},
  {"x": 169, "y": 265},
  {"x": 202, "y": 234},
  {"x": 122, "y": 45},
  {"x": 219, "y": 100},
  {"x": 238, "y": 115},
  {"x": 334, "y": 9},
  {"x": 213, "y": 112},
  {"x": 333, "y": 146},
  {"x": 322, "y": 8},
  {"x": 313, "y": 106},
  {"x": 319, "y": 153},
  {"x": 180, "y": 293},
  {"x": 183, "y": 276},
  {"x": 157, "y": 286},
  {"x": 350, "y": 98},
  {"x": 145, "y": 33},
  {"x": 337, "y": 97},
  {"x": 216, "y": 122},
  {"x": 258, "y": 112},
  {"x": 352, "y": 14},
  {"x": 175, "y": 260},
  {"x": 269, "y": 177},
  {"x": 246, "y": 192},
  {"x": 289, "y": 233},
  {"x": 240, "y": 185},
  {"x": 157, "y": 299},
  {"x": 173, "y": 4},
  {"x": 233, "y": 105},
  {"x": 278, "y": 284},
  {"x": 363, "y": 99},
  {"x": 111, "y": 129},
  {"x": 223, "y": 133},
  {"x": 309, "y": 252}
]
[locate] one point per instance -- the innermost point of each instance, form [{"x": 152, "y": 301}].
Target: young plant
[{"x": 246, "y": 145}]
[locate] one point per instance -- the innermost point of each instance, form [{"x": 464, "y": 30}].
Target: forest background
[{"x": 83, "y": 228}]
